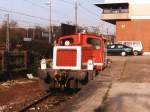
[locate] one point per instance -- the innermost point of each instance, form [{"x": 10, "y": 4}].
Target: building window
[{"x": 116, "y": 10}]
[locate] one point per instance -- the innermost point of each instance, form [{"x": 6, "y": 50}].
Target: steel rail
[{"x": 35, "y": 102}]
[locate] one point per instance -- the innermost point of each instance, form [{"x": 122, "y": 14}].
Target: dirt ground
[
  {"x": 130, "y": 91},
  {"x": 16, "y": 92}
]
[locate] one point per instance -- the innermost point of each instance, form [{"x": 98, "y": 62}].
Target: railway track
[
  {"x": 35, "y": 102},
  {"x": 46, "y": 102}
]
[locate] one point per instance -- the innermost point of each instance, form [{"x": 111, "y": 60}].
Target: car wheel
[
  {"x": 135, "y": 53},
  {"x": 123, "y": 53}
]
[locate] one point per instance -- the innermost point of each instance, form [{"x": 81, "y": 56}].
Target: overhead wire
[
  {"x": 34, "y": 23},
  {"x": 35, "y": 4},
  {"x": 25, "y": 21},
  {"x": 86, "y": 9},
  {"x": 87, "y": 16},
  {"x": 71, "y": 3},
  {"x": 67, "y": 2},
  {"x": 38, "y": 5},
  {"x": 25, "y": 14},
  {"x": 46, "y": 19}
]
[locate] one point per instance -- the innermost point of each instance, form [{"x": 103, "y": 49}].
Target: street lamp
[{"x": 50, "y": 24}]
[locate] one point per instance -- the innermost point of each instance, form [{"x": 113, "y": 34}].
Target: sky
[{"x": 63, "y": 11}]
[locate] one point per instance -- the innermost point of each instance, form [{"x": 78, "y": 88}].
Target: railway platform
[{"x": 124, "y": 87}]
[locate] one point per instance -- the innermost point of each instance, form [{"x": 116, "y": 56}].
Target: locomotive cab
[
  {"x": 74, "y": 51},
  {"x": 75, "y": 57}
]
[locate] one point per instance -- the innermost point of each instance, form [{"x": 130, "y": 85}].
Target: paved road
[
  {"x": 130, "y": 91},
  {"x": 129, "y": 97}
]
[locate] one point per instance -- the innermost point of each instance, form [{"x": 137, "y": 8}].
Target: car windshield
[
  {"x": 119, "y": 46},
  {"x": 128, "y": 44},
  {"x": 136, "y": 44},
  {"x": 111, "y": 46}
]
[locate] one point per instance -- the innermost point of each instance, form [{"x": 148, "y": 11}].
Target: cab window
[
  {"x": 67, "y": 41},
  {"x": 94, "y": 42}
]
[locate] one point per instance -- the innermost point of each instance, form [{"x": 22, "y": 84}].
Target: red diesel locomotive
[{"x": 76, "y": 59}]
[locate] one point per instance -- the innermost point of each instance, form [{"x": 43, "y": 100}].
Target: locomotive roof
[{"x": 83, "y": 34}]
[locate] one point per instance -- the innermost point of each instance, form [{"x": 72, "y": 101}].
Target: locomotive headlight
[
  {"x": 97, "y": 47},
  {"x": 43, "y": 64},
  {"x": 90, "y": 65},
  {"x": 67, "y": 43}
]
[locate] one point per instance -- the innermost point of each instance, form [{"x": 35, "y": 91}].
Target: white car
[{"x": 136, "y": 45}]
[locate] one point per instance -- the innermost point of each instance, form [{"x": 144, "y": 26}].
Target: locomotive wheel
[
  {"x": 85, "y": 80},
  {"x": 68, "y": 85},
  {"x": 44, "y": 80},
  {"x": 76, "y": 84},
  {"x": 90, "y": 77},
  {"x": 93, "y": 74},
  {"x": 97, "y": 72}
]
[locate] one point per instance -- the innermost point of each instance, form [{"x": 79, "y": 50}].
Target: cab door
[{"x": 96, "y": 53}]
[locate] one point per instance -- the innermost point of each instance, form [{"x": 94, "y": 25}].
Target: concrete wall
[
  {"x": 140, "y": 11},
  {"x": 138, "y": 30}
]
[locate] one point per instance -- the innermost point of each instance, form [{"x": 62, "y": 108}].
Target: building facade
[{"x": 132, "y": 20}]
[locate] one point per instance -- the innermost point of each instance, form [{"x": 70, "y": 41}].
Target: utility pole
[
  {"x": 76, "y": 16},
  {"x": 33, "y": 34},
  {"x": 7, "y": 34},
  {"x": 27, "y": 33},
  {"x": 50, "y": 23}
]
